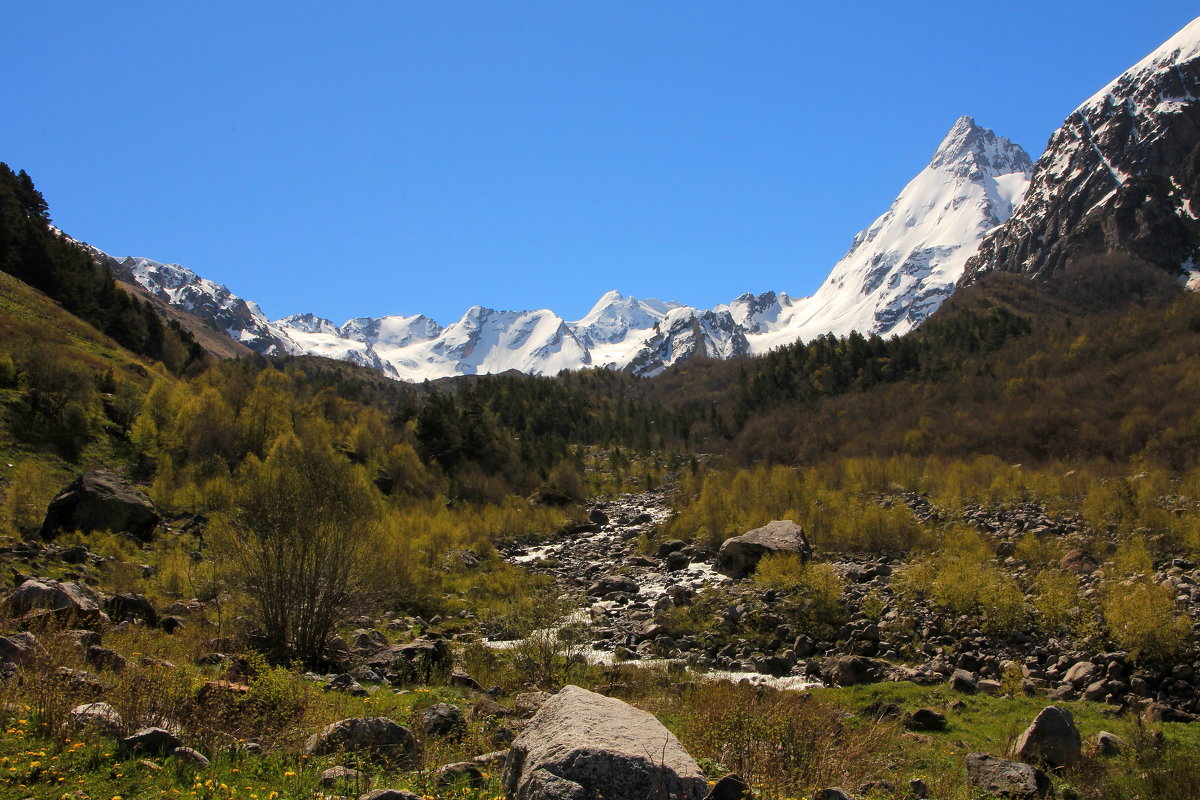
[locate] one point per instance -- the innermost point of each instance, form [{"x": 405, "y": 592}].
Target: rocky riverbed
[{"x": 629, "y": 579}]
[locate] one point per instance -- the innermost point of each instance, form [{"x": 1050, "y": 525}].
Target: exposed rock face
[
  {"x": 1051, "y": 738},
  {"x": 377, "y": 737},
  {"x": 101, "y": 501},
  {"x": 581, "y": 745},
  {"x": 1119, "y": 176},
  {"x": 740, "y": 555},
  {"x": 1008, "y": 779}
]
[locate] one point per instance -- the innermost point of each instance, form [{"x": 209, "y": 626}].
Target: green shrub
[{"x": 1142, "y": 619}]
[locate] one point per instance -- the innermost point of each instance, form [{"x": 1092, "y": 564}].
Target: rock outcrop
[
  {"x": 581, "y": 745},
  {"x": 740, "y": 555}
]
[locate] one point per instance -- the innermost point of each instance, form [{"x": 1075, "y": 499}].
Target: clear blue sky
[{"x": 370, "y": 158}]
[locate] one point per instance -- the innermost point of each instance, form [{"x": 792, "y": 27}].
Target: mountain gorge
[{"x": 896, "y": 273}]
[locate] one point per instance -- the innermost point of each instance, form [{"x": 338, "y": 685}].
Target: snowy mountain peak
[{"x": 970, "y": 146}]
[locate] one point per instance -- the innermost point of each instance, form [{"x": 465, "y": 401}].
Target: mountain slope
[
  {"x": 1119, "y": 176},
  {"x": 901, "y": 268}
]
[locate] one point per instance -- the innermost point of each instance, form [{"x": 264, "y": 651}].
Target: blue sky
[{"x": 361, "y": 159}]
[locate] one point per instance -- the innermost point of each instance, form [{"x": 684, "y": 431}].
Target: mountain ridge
[{"x": 969, "y": 186}]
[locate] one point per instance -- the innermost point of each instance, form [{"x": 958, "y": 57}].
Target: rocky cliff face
[{"x": 1119, "y": 176}]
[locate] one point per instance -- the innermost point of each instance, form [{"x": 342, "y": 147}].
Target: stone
[
  {"x": 670, "y": 546},
  {"x": 190, "y": 758},
  {"x": 1006, "y": 779},
  {"x": 131, "y": 607},
  {"x": 1079, "y": 562},
  {"x": 379, "y": 738},
  {"x": 675, "y": 562},
  {"x": 1109, "y": 744},
  {"x": 65, "y": 601},
  {"x": 100, "y": 717},
  {"x": 149, "y": 742},
  {"x": 832, "y": 794},
  {"x": 418, "y": 660},
  {"x": 530, "y": 702},
  {"x": 461, "y": 679},
  {"x": 610, "y": 584},
  {"x": 443, "y": 719},
  {"x": 1082, "y": 673},
  {"x": 730, "y": 787},
  {"x": 20, "y": 648},
  {"x": 389, "y": 794},
  {"x": 852, "y": 670},
  {"x": 462, "y": 774},
  {"x": 103, "y": 658},
  {"x": 581, "y": 744},
  {"x": 1051, "y": 738},
  {"x": 335, "y": 776},
  {"x": 925, "y": 719},
  {"x": 101, "y": 501},
  {"x": 964, "y": 682},
  {"x": 739, "y": 556}
]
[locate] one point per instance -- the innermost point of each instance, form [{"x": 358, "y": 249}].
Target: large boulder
[
  {"x": 65, "y": 601},
  {"x": 739, "y": 556},
  {"x": 581, "y": 745},
  {"x": 101, "y": 501},
  {"x": 1051, "y": 738},
  {"x": 1013, "y": 780},
  {"x": 417, "y": 660},
  {"x": 379, "y": 738}
]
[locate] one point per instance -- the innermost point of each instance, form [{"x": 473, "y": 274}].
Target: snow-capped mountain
[
  {"x": 242, "y": 320},
  {"x": 1119, "y": 176},
  {"x": 901, "y": 268},
  {"x": 897, "y": 272}
]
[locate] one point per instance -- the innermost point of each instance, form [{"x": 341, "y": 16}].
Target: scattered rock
[
  {"x": 1006, "y": 779},
  {"x": 443, "y": 719},
  {"x": 1109, "y": 744},
  {"x": 581, "y": 744},
  {"x": 853, "y": 670},
  {"x": 730, "y": 787},
  {"x": 131, "y": 608},
  {"x": 190, "y": 758},
  {"x": 528, "y": 703},
  {"x": 925, "y": 719},
  {"x": 148, "y": 741},
  {"x": 739, "y": 555},
  {"x": 963, "y": 681},
  {"x": 100, "y": 717},
  {"x": 832, "y": 794},
  {"x": 611, "y": 584},
  {"x": 463, "y": 774},
  {"x": 103, "y": 658},
  {"x": 379, "y": 738},
  {"x": 65, "y": 601},
  {"x": 20, "y": 648},
  {"x": 389, "y": 794},
  {"x": 1051, "y": 738},
  {"x": 101, "y": 501},
  {"x": 335, "y": 776}
]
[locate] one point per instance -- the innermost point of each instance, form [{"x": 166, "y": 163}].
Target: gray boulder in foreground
[
  {"x": 997, "y": 777},
  {"x": 1051, "y": 738},
  {"x": 740, "y": 555},
  {"x": 581, "y": 745}
]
